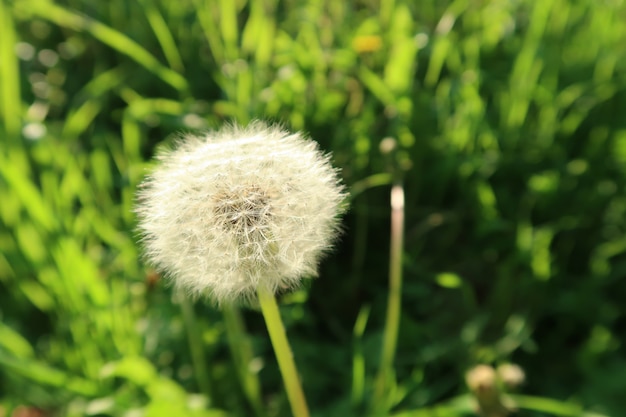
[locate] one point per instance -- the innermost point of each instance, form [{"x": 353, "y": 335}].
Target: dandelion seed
[{"x": 240, "y": 208}]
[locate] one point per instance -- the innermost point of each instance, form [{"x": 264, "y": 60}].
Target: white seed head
[{"x": 239, "y": 208}]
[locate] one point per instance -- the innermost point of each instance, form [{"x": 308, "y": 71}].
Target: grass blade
[
  {"x": 10, "y": 100},
  {"x": 109, "y": 36}
]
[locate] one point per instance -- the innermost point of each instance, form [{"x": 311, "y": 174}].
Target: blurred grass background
[{"x": 508, "y": 117}]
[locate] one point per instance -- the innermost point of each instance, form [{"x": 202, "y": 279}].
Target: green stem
[
  {"x": 550, "y": 406},
  {"x": 358, "y": 359},
  {"x": 241, "y": 350},
  {"x": 394, "y": 303},
  {"x": 195, "y": 345},
  {"x": 283, "y": 353}
]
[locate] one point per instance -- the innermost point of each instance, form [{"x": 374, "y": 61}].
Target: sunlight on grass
[{"x": 500, "y": 121}]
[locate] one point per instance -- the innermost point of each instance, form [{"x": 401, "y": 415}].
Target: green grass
[{"x": 508, "y": 119}]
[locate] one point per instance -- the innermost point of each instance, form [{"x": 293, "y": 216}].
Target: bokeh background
[{"x": 509, "y": 124}]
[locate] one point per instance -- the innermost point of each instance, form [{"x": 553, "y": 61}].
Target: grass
[{"x": 510, "y": 142}]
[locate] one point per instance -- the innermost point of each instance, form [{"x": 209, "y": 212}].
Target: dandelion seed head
[{"x": 239, "y": 208}]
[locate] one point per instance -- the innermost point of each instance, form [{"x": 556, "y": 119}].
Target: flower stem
[
  {"x": 394, "y": 303},
  {"x": 203, "y": 379},
  {"x": 241, "y": 351},
  {"x": 283, "y": 353}
]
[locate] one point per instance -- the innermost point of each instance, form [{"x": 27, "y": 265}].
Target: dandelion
[
  {"x": 239, "y": 215},
  {"x": 511, "y": 375},
  {"x": 238, "y": 209},
  {"x": 482, "y": 380}
]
